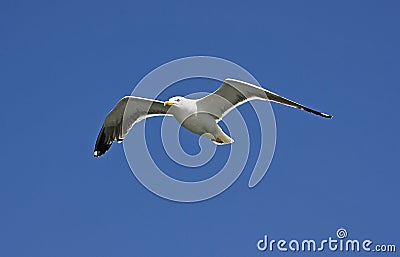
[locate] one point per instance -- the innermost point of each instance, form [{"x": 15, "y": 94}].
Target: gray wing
[
  {"x": 233, "y": 93},
  {"x": 128, "y": 111}
]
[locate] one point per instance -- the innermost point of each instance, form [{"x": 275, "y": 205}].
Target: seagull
[{"x": 200, "y": 116}]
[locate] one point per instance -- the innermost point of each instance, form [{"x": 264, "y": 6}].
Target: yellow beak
[{"x": 168, "y": 103}]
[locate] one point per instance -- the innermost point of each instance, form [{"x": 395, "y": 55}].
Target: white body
[{"x": 200, "y": 123}]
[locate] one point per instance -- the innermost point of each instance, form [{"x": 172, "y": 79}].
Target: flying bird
[{"x": 200, "y": 116}]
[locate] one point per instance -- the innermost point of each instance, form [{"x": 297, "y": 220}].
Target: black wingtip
[
  {"x": 98, "y": 153},
  {"x": 323, "y": 115},
  {"x": 326, "y": 116},
  {"x": 102, "y": 144},
  {"x": 317, "y": 112}
]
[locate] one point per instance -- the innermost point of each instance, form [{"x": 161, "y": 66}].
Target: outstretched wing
[
  {"x": 128, "y": 111},
  {"x": 233, "y": 93}
]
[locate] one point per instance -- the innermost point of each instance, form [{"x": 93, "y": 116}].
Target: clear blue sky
[{"x": 64, "y": 64}]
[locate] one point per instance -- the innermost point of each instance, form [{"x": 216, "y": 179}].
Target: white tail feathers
[{"x": 221, "y": 138}]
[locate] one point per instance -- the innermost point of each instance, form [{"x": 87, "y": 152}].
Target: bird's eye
[{"x": 178, "y": 100}]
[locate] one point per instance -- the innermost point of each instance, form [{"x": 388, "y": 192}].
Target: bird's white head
[{"x": 175, "y": 101}]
